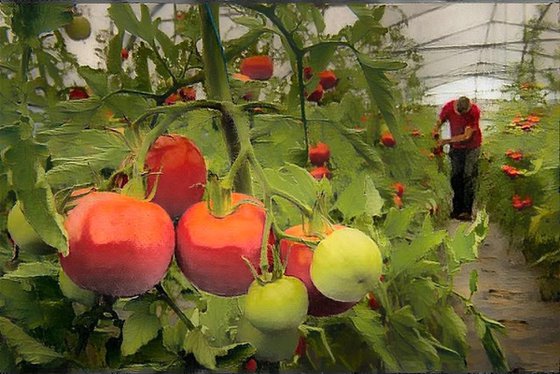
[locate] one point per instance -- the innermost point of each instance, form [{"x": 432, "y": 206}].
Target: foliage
[{"x": 174, "y": 325}]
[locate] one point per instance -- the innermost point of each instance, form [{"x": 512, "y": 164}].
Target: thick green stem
[
  {"x": 217, "y": 87},
  {"x": 169, "y": 301},
  {"x": 219, "y": 197}
]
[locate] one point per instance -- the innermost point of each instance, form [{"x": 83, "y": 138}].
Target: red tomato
[
  {"x": 119, "y": 246},
  {"x": 124, "y": 53},
  {"x": 307, "y": 73},
  {"x": 319, "y": 154},
  {"x": 328, "y": 79},
  {"x": 301, "y": 348},
  {"x": 172, "y": 99},
  {"x": 316, "y": 95},
  {"x": 399, "y": 188},
  {"x": 372, "y": 302},
  {"x": 251, "y": 365},
  {"x": 210, "y": 249},
  {"x": 387, "y": 139},
  {"x": 187, "y": 93},
  {"x": 178, "y": 166},
  {"x": 398, "y": 201},
  {"x": 321, "y": 172},
  {"x": 77, "y": 93},
  {"x": 257, "y": 67},
  {"x": 299, "y": 257}
]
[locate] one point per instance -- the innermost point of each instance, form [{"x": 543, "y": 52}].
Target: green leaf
[
  {"x": 140, "y": 328},
  {"x": 295, "y": 181},
  {"x": 463, "y": 245},
  {"x": 114, "y": 59},
  {"x": 422, "y": 295},
  {"x": 204, "y": 353},
  {"x": 32, "y": 19},
  {"x": 170, "y": 50},
  {"x": 397, "y": 221},
  {"x": 320, "y": 55},
  {"x": 125, "y": 19},
  {"x": 7, "y": 359},
  {"x": 537, "y": 165},
  {"x": 365, "y": 150},
  {"x": 473, "y": 281},
  {"x": 173, "y": 336},
  {"x": 249, "y": 22},
  {"x": 28, "y": 348},
  {"x": 360, "y": 197},
  {"x": 34, "y": 193},
  {"x": 34, "y": 269},
  {"x": 381, "y": 89},
  {"x": 453, "y": 329},
  {"x": 96, "y": 79},
  {"x": 405, "y": 255},
  {"x": 219, "y": 314},
  {"x": 234, "y": 47},
  {"x": 491, "y": 345},
  {"x": 368, "y": 323}
]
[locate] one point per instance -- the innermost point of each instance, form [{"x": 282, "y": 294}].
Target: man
[{"x": 463, "y": 117}]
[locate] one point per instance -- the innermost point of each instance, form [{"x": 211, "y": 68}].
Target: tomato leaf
[
  {"x": 20, "y": 304},
  {"x": 397, "y": 221},
  {"x": 173, "y": 336},
  {"x": 320, "y": 55},
  {"x": 493, "y": 349},
  {"x": 294, "y": 180},
  {"x": 219, "y": 314},
  {"x": 140, "y": 328},
  {"x": 368, "y": 323},
  {"x": 34, "y": 269},
  {"x": 28, "y": 348},
  {"x": 125, "y": 19},
  {"x": 360, "y": 197},
  {"x": 30, "y": 20},
  {"x": 473, "y": 281},
  {"x": 114, "y": 59},
  {"x": 34, "y": 193},
  {"x": 204, "y": 353}
]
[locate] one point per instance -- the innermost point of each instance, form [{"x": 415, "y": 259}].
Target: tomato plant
[{"x": 204, "y": 130}]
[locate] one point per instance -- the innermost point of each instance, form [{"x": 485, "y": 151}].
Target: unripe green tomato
[
  {"x": 270, "y": 346},
  {"x": 346, "y": 265},
  {"x": 278, "y": 305},
  {"x": 23, "y": 234},
  {"x": 79, "y": 28},
  {"x": 74, "y": 292}
]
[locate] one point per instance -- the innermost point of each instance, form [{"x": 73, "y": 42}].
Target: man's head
[{"x": 463, "y": 104}]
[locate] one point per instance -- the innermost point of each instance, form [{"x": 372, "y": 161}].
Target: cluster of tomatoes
[
  {"x": 319, "y": 156},
  {"x": 525, "y": 123},
  {"x": 122, "y": 246}
]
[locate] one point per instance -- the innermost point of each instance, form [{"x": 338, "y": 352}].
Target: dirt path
[{"x": 508, "y": 292}]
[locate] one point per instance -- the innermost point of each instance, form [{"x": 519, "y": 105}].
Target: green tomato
[
  {"x": 79, "y": 28},
  {"x": 75, "y": 293},
  {"x": 23, "y": 234},
  {"x": 346, "y": 265},
  {"x": 270, "y": 346},
  {"x": 278, "y": 305}
]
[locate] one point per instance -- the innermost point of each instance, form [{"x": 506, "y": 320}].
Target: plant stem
[
  {"x": 169, "y": 301},
  {"x": 217, "y": 86}
]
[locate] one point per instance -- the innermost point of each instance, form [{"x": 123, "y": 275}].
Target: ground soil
[{"x": 508, "y": 292}]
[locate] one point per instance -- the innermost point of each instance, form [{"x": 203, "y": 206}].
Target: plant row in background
[{"x": 263, "y": 263}]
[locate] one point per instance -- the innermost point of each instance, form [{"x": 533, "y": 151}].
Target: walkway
[{"x": 508, "y": 292}]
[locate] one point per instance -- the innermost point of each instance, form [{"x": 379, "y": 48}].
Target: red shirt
[{"x": 458, "y": 123}]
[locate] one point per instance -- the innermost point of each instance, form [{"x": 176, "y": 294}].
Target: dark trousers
[{"x": 464, "y": 171}]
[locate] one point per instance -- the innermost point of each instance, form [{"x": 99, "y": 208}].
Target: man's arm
[
  {"x": 458, "y": 138},
  {"x": 437, "y": 128}
]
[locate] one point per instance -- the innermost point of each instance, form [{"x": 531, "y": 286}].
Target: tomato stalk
[
  {"x": 217, "y": 85},
  {"x": 163, "y": 295},
  {"x": 219, "y": 197}
]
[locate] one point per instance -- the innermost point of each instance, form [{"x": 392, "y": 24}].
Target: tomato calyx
[{"x": 219, "y": 197}]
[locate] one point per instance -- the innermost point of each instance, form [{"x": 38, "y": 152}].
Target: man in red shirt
[{"x": 463, "y": 117}]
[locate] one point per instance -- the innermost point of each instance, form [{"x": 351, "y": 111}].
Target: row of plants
[
  {"x": 262, "y": 262},
  {"x": 521, "y": 177}
]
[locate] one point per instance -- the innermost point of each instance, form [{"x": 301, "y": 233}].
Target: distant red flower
[
  {"x": 511, "y": 171},
  {"x": 77, "y": 93}
]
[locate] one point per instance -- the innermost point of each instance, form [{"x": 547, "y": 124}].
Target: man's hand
[
  {"x": 435, "y": 133},
  {"x": 442, "y": 142}
]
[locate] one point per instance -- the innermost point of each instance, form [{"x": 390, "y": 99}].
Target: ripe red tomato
[
  {"x": 183, "y": 173},
  {"x": 257, "y": 67},
  {"x": 319, "y": 154},
  {"x": 172, "y": 99},
  {"x": 251, "y": 365},
  {"x": 210, "y": 249},
  {"x": 398, "y": 201},
  {"x": 328, "y": 79},
  {"x": 316, "y": 95},
  {"x": 387, "y": 139},
  {"x": 187, "y": 93},
  {"x": 372, "y": 302},
  {"x": 321, "y": 172},
  {"x": 119, "y": 246},
  {"x": 298, "y": 257},
  {"x": 77, "y": 93},
  {"x": 399, "y": 188},
  {"x": 124, "y": 53},
  {"x": 301, "y": 348},
  {"x": 307, "y": 73}
]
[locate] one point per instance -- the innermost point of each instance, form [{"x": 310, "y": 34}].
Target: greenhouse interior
[{"x": 338, "y": 187}]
